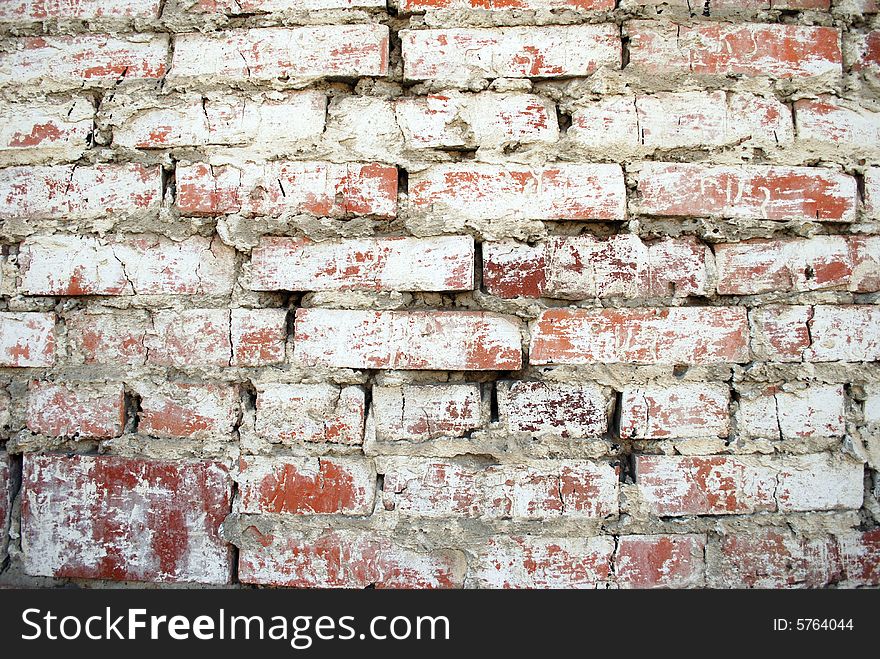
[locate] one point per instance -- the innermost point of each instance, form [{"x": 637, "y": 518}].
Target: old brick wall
[{"x": 482, "y": 293}]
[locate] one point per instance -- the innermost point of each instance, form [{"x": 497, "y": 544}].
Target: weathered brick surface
[
  {"x": 774, "y": 414},
  {"x": 198, "y": 411},
  {"x": 559, "y": 192},
  {"x": 575, "y": 489},
  {"x": 314, "y": 188},
  {"x": 721, "y": 485},
  {"x": 640, "y": 336},
  {"x": 39, "y": 10},
  {"x": 776, "y": 559},
  {"x": 485, "y": 120},
  {"x": 382, "y": 264},
  {"x": 672, "y": 120},
  {"x": 775, "y": 266},
  {"x": 345, "y": 559},
  {"x": 824, "y": 333},
  {"x": 440, "y": 293},
  {"x": 125, "y": 519},
  {"x": 564, "y": 409},
  {"x": 226, "y": 120},
  {"x": 660, "y": 561},
  {"x": 78, "y": 60},
  {"x": 70, "y": 265},
  {"x": 748, "y": 192},
  {"x": 291, "y": 413},
  {"x": 56, "y": 130},
  {"x": 455, "y": 341},
  {"x": 70, "y": 192},
  {"x": 514, "y": 52},
  {"x": 306, "y": 486},
  {"x": 529, "y": 562},
  {"x": 585, "y": 267},
  {"x": 75, "y": 410},
  {"x": 422, "y": 412},
  {"x": 688, "y": 410},
  {"x": 107, "y": 338},
  {"x": 27, "y": 339},
  {"x": 422, "y": 5},
  {"x": 268, "y": 53},
  {"x": 778, "y": 51}
]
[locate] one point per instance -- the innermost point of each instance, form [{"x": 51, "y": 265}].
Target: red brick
[
  {"x": 436, "y": 340},
  {"x": 486, "y": 120},
  {"x": 345, "y": 559},
  {"x": 82, "y": 9},
  {"x": 674, "y": 120},
  {"x": 817, "y": 411},
  {"x": 775, "y": 50},
  {"x": 80, "y": 265},
  {"x": 821, "y": 481},
  {"x": 197, "y": 411},
  {"x": 207, "y": 337},
  {"x": 723, "y": 485},
  {"x": 225, "y": 119},
  {"x": 306, "y": 486},
  {"x": 660, "y": 561},
  {"x": 778, "y": 559},
  {"x": 109, "y": 338},
  {"x": 53, "y": 129},
  {"x": 800, "y": 264},
  {"x": 860, "y": 555},
  {"x": 518, "y": 561},
  {"x": 580, "y": 267},
  {"x": 515, "y": 52},
  {"x": 844, "y": 333},
  {"x": 84, "y": 59},
  {"x": 190, "y": 337},
  {"x": 746, "y": 192},
  {"x": 685, "y": 335},
  {"x": 824, "y": 333},
  {"x": 567, "y": 410},
  {"x": 237, "y": 7},
  {"x": 548, "y": 489},
  {"x": 279, "y": 53},
  {"x": 293, "y": 413},
  {"x": 442, "y": 263},
  {"x": 27, "y": 339},
  {"x": 675, "y": 411},
  {"x": 827, "y": 121},
  {"x": 780, "y": 333},
  {"x": 70, "y": 192},
  {"x": 554, "y": 192},
  {"x": 710, "y": 485},
  {"x": 81, "y": 410},
  {"x": 586, "y": 5},
  {"x": 423, "y": 412},
  {"x": 259, "y": 336},
  {"x": 103, "y": 517},
  {"x": 321, "y": 189}
]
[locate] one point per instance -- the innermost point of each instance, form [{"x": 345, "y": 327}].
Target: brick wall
[{"x": 530, "y": 293}]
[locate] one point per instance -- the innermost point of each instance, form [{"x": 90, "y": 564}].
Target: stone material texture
[{"x": 440, "y": 293}]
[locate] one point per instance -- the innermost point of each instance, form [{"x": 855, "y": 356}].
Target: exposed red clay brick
[{"x": 123, "y": 519}]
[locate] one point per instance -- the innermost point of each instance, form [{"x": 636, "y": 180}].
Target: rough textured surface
[{"x": 440, "y": 293}]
